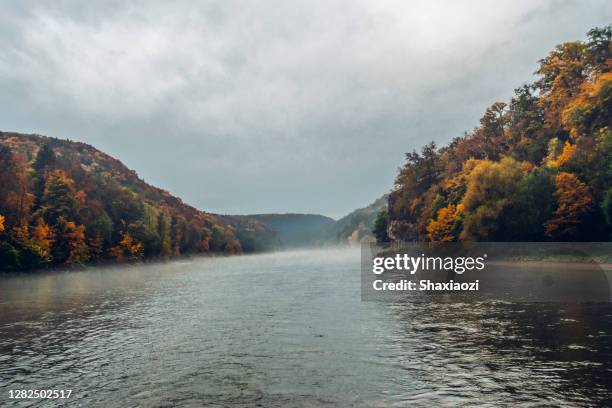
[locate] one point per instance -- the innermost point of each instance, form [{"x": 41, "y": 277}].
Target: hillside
[
  {"x": 296, "y": 230},
  {"x": 357, "y": 226},
  {"x": 538, "y": 168},
  {"x": 67, "y": 203},
  {"x": 304, "y": 230}
]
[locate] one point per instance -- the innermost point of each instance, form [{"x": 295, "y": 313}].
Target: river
[{"x": 287, "y": 329}]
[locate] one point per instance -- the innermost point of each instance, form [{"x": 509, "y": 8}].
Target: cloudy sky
[{"x": 271, "y": 106}]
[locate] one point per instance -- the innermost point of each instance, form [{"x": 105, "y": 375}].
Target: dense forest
[
  {"x": 66, "y": 203},
  {"x": 538, "y": 168}
]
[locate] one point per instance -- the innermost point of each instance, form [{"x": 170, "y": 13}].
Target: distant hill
[
  {"x": 296, "y": 230},
  {"x": 67, "y": 203},
  {"x": 304, "y": 230},
  {"x": 356, "y": 226}
]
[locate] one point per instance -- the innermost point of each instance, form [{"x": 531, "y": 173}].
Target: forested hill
[
  {"x": 306, "y": 230},
  {"x": 358, "y": 226},
  {"x": 536, "y": 168},
  {"x": 296, "y": 230},
  {"x": 67, "y": 203}
]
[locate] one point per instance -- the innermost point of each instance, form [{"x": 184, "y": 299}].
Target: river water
[{"x": 287, "y": 329}]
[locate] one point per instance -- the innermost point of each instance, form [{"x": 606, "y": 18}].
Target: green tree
[
  {"x": 102, "y": 227},
  {"x": 163, "y": 227},
  {"x": 489, "y": 198},
  {"x": 536, "y": 204},
  {"x": 59, "y": 199},
  {"x": 43, "y": 164},
  {"x": 599, "y": 48},
  {"x": 380, "y": 226},
  {"x": 607, "y": 206}
]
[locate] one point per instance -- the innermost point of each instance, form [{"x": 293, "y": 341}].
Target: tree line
[
  {"x": 64, "y": 203},
  {"x": 538, "y": 168}
]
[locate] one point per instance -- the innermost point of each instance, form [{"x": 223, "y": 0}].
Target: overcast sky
[{"x": 271, "y": 106}]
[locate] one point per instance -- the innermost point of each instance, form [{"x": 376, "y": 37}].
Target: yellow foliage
[
  {"x": 581, "y": 106},
  {"x": 42, "y": 236},
  {"x": 1, "y": 223},
  {"x": 491, "y": 189},
  {"x": 81, "y": 197},
  {"x": 456, "y": 186},
  {"x": 75, "y": 236},
  {"x": 128, "y": 246},
  {"x": 445, "y": 227},
  {"x": 566, "y": 154},
  {"x": 553, "y": 152}
]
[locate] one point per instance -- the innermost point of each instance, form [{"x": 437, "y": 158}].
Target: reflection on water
[{"x": 287, "y": 329}]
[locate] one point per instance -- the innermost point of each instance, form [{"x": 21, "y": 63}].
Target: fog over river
[{"x": 287, "y": 329}]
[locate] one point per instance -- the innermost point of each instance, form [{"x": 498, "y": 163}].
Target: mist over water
[{"x": 287, "y": 329}]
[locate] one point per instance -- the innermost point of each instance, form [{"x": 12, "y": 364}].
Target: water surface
[{"x": 287, "y": 329}]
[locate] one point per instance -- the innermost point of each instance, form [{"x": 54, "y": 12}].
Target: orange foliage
[
  {"x": 74, "y": 235},
  {"x": 48, "y": 203},
  {"x": 574, "y": 203},
  {"x": 566, "y": 154},
  {"x": 445, "y": 227},
  {"x": 128, "y": 246},
  {"x": 575, "y": 114},
  {"x": 42, "y": 236}
]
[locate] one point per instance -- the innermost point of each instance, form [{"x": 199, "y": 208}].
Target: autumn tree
[
  {"x": 447, "y": 225},
  {"x": 146, "y": 231},
  {"x": 15, "y": 200},
  {"x": 34, "y": 245},
  {"x": 70, "y": 246},
  {"x": 42, "y": 238},
  {"x": 491, "y": 131},
  {"x": 127, "y": 249},
  {"x": 421, "y": 172},
  {"x": 560, "y": 123},
  {"x": 72, "y": 204},
  {"x": 489, "y": 198},
  {"x": 525, "y": 123},
  {"x": 563, "y": 70},
  {"x": 575, "y": 205},
  {"x": 232, "y": 247}
]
